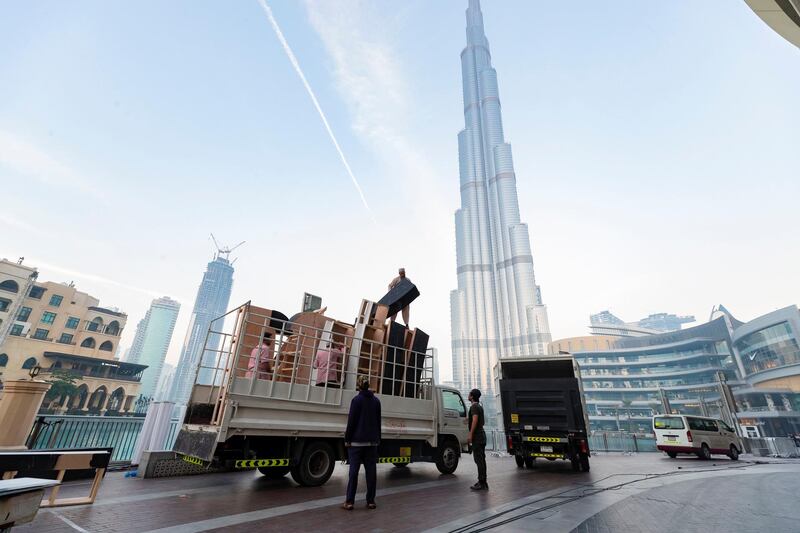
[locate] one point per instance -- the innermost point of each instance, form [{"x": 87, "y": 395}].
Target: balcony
[{"x": 92, "y": 374}]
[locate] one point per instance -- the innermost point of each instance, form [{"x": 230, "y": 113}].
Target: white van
[{"x": 696, "y": 435}]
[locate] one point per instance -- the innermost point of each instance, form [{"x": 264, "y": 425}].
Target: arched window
[
  {"x": 107, "y": 346},
  {"x": 3, "y": 359},
  {"x": 10, "y": 285},
  {"x": 88, "y": 342},
  {"x": 96, "y": 324},
  {"x": 29, "y": 363},
  {"x": 113, "y": 328}
]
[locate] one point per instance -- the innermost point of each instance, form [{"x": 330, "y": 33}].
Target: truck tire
[
  {"x": 584, "y": 459},
  {"x": 576, "y": 464},
  {"x": 447, "y": 457},
  {"x": 274, "y": 472},
  {"x": 315, "y": 466},
  {"x": 530, "y": 462},
  {"x": 520, "y": 461}
]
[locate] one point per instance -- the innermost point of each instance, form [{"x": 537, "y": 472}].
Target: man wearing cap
[
  {"x": 362, "y": 436},
  {"x": 477, "y": 438}
]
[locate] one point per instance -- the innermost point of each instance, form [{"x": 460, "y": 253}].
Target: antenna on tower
[{"x": 224, "y": 250}]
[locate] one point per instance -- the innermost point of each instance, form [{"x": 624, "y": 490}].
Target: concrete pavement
[{"x": 619, "y": 494}]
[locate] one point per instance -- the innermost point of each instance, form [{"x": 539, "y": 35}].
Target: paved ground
[{"x": 645, "y": 492}]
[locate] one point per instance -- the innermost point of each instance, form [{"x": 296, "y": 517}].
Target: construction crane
[{"x": 226, "y": 250}]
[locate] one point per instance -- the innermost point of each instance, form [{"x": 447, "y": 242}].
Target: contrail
[{"x": 299, "y": 71}]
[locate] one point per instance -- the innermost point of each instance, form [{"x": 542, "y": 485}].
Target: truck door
[{"x": 454, "y": 416}]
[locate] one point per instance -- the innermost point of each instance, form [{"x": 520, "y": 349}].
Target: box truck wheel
[
  {"x": 530, "y": 462},
  {"x": 520, "y": 461},
  {"x": 447, "y": 457},
  {"x": 274, "y": 472},
  {"x": 315, "y": 466},
  {"x": 584, "y": 462}
]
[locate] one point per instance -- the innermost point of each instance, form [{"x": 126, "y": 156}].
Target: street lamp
[{"x": 34, "y": 371}]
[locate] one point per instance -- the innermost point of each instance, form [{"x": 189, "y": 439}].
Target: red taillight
[
  {"x": 689, "y": 436},
  {"x": 584, "y": 447},
  {"x": 510, "y": 443}
]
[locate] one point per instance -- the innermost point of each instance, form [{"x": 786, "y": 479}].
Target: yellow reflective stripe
[
  {"x": 193, "y": 460},
  {"x": 394, "y": 459},
  {"x": 544, "y": 439},
  {"x": 557, "y": 455},
  {"x": 260, "y": 463}
]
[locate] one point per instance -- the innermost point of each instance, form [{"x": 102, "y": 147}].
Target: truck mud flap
[{"x": 196, "y": 443}]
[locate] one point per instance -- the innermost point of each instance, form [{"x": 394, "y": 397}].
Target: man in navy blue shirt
[{"x": 362, "y": 436}]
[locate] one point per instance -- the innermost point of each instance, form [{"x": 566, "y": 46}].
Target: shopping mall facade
[{"x": 688, "y": 371}]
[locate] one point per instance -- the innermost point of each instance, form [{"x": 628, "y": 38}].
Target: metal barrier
[
  {"x": 621, "y": 441},
  {"x": 771, "y": 446},
  {"x": 74, "y": 431}
]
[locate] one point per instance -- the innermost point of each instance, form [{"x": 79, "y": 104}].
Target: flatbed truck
[{"x": 276, "y": 418}]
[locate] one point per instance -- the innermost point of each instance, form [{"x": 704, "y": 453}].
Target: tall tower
[
  {"x": 212, "y": 300},
  {"x": 497, "y": 310},
  {"x": 151, "y": 342}
]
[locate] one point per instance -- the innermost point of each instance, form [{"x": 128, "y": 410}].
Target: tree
[{"x": 62, "y": 385}]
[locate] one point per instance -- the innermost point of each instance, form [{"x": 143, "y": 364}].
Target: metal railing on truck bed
[{"x": 259, "y": 353}]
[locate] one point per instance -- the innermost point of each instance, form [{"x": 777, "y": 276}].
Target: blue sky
[{"x": 655, "y": 148}]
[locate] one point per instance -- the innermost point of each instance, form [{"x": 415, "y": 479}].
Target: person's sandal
[
  {"x": 371, "y": 506},
  {"x": 347, "y": 506}
]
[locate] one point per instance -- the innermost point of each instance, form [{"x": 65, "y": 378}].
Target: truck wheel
[
  {"x": 520, "y": 461},
  {"x": 530, "y": 462},
  {"x": 316, "y": 465},
  {"x": 672, "y": 455},
  {"x": 275, "y": 472},
  {"x": 576, "y": 464},
  {"x": 447, "y": 457},
  {"x": 584, "y": 462}
]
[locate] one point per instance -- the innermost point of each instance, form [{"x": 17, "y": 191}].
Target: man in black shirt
[{"x": 477, "y": 437}]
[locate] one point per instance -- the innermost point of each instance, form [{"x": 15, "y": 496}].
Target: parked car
[{"x": 697, "y": 435}]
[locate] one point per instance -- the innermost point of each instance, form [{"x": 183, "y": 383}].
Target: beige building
[
  {"x": 55, "y": 326},
  {"x": 587, "y": 343}
]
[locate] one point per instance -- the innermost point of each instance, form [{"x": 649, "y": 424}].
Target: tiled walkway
[{"x": 409, "y": 499}]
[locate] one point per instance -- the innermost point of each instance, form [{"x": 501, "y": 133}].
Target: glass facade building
[
  {"x": 151, "y": 342},
  {"x": 681, "y": 371},
  {"x": 497, "y": 307},
  {"x": 213, "y": 297}
]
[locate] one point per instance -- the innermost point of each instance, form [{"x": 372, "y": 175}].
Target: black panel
[
  {"x": 395, "y": 358},
  {"x": 401, "y": 296}
]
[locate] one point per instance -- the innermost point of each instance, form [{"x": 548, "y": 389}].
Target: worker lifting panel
[{"x": 400, "y": 296}]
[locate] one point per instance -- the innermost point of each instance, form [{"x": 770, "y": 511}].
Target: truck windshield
[{"x": 668, "y": 422}]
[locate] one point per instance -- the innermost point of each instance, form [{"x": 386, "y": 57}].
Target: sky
[{"x": 655, "y": 147}]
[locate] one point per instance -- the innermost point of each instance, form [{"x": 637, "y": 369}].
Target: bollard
[{"x": 18, "y": 407}]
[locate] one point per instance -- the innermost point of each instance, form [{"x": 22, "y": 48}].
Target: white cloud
[
  {"x": 29, "y": 160},
  {"x": 370, "y": 76},
  {"x": 92, "y": 277}
]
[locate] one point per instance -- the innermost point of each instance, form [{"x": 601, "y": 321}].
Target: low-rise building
[{"x": 61, "y": 329}]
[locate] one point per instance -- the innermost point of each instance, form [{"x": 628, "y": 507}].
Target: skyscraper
[
  {"x": 497, "y": 309},
  {"x": 151, "y": 342},
  {"x": 212, "y": 300}
]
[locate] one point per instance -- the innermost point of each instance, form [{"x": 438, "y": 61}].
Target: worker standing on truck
[
  {"x": 260, "y": 362},
  {"x": 477, "y": 438},
  {"x": 406, "y": 311},
  {"x": 362, "y": 436}
]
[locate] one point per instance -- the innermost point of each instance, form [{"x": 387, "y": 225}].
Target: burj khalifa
[{"x": 497, "y": 310}]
